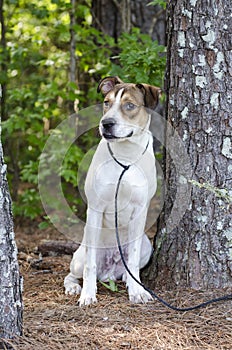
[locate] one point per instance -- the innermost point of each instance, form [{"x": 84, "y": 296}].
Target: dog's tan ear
[
  {"x": 107, "y": 84},
  {"x": 151, "y": 95}
]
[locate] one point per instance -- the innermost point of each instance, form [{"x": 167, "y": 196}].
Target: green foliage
[
  {"x": 29, "y": 204},
  {"x": 142, "y": 60},
  {"x": 39, "y": 92},
  {"x": 70, "y": 164},
  {"x": 44, "y": 224},
  {"x": 112, "y": 286},
  {"x": 161, "y": 3}
]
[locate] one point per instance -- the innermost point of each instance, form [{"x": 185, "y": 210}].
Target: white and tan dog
[{"x": 126, "y": 140}]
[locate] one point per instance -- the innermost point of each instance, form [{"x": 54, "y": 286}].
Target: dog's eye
[
  {"x": 129, "y": 106},
  {"x": 106, "y": 104}
]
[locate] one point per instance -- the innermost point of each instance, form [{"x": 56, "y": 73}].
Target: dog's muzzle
[{"x": 107, "y": 129}]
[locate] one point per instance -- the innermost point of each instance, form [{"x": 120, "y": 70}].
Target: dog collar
[{"x": 125, "y": 167}]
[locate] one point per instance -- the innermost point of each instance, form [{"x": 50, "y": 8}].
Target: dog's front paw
[
  {"x": 87, "y": 299},
  {"x": 71, "y": 285},
  {"x": 141, "y": 296}
]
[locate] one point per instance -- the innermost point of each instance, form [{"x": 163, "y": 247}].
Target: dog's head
[{"x": 126, "y": 107}]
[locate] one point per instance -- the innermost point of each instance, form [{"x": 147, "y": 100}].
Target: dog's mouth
[{"x": 109, "y": 136}]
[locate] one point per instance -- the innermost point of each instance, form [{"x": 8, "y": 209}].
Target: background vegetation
[{"x": 38, "y": 89}]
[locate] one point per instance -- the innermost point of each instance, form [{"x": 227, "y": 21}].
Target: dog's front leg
[
  {"x": 137, "y": 294},
  {"x": 92, "y": 232}
]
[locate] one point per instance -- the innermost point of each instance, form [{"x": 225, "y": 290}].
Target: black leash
[{"x": 153, "y": 294}]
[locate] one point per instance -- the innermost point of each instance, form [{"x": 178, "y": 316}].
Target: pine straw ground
[{"x": 53, "y": 320}]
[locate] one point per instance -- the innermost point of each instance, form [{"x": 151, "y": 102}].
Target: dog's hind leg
[
  {"x": 145, "y": 255},
  {"x": 146, "y": 251},
  {"x": 71, "y": 283}
]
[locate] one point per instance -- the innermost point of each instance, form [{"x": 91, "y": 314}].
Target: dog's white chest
[
  {"x": 134, "y": 181},
  {"x": 136, "y": 188}
]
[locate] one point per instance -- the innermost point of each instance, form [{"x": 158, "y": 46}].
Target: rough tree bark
[
  {"x": 116, "y": 16},
  {"x": 10, "y": 281},
  {"x": 196, "y": 250}
]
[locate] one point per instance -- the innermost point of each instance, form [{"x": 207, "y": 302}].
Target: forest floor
[{"x": 53, "y": 320}]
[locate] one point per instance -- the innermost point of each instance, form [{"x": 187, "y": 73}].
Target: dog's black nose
[{"x": 108, "y": 123}]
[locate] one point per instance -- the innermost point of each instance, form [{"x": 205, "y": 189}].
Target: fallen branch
[{"x": 57, "y": 247}]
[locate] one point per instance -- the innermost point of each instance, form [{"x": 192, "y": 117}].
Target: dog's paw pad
[
  {"x": 87, "y": 300},
  {"x": 140, "y": 298},
  {"x": 72, "y": 289},
  {"x": 71, "y": 285}
]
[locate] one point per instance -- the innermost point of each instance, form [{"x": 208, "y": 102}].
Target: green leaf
[
  {"x": 112, "y": 286},
  {"x": 161, "y": 3},
  {"x": 43, "y": 225}
]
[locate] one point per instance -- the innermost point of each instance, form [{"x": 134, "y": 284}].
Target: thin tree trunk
[
  {"x": 73, "y": 58},
  {"x": 11, "y": 147},
  {"x": 3, "y": 63},
  {"x": 194, "y": 248},
  {"x": 10, "y": 280}
]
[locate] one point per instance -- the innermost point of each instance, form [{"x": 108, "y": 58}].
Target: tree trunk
[
  {"x": 193, "y": 247},
  {"x": 10, "y": 281},
  {"x": 3, "y": 63},
  {"x": 150, "y": 19},
  {"x": 73, "y": 57},
  {"x": 111, "y": 17},
  {"x": 116, "y": 16},
  {"x": 11, "y": 146}
]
